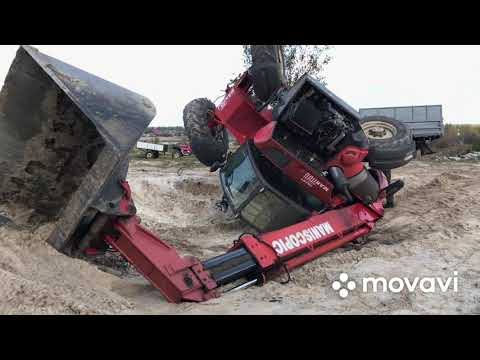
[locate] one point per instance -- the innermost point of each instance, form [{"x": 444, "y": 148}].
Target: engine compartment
[{"x": 317, "y": 119}]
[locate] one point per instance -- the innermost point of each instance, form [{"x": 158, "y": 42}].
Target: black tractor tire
[
  {"x": 389, "y": 149},
  {"x": 267, "y": 70},
  {"x": 209, "y": 145}
]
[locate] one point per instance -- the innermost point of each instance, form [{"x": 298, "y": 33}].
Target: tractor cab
[{"x": 259, "y": 193}]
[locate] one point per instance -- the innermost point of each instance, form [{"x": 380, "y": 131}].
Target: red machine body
[
  {"x": 238, "y": 113},
  {"x": 298, "y": 244},
  {"x": 265, "y": 255},
  {"x": 178, "y": 278},
  {"x": 186, "y": 278},
  {"x": 349, "y": 160},
  {"x": 185, "y": 149}
]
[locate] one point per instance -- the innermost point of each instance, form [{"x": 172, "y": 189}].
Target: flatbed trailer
[
  {"x": 154, "y": 150},
  {"x": 426, "y": 121}
]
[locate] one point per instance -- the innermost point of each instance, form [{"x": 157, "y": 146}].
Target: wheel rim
[
  {"x": 379, "y": 130},
  {"x": 149, "y": 155}
]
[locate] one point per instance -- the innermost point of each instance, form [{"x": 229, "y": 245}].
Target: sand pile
[
  {"x": 36, "y": 279},
  {"x": 433, "y": 231},
  {"x": 181, "y": 209}
]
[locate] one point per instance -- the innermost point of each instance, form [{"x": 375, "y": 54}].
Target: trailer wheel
[
  {"x": 149, "y": 155},
  {"x": 209, "y": 144},
  {"x": 391, "y": 142},
  {"x": 267, "y": 70}
]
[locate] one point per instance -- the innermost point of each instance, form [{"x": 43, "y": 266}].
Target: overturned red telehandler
[{"x": 301, "y": 177}]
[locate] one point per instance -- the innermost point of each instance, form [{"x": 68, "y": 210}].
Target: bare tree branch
[{"x": 299, "y": 59}]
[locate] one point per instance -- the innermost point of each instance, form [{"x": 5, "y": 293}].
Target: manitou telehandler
[{"x": 307, "y": 177}]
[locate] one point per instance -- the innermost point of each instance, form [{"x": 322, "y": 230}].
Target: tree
[{"x": 299, "y": 59}]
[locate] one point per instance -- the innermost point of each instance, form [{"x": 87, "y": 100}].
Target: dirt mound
[
  {"x": 181, "y": 209},
  {"x": 197, "y": 188},
  {"x": 36, "y": 279},
  {"x": 443, "y": 180},
  {"x": 432, "y": 231},
  {"x": 171, "y": 199}
]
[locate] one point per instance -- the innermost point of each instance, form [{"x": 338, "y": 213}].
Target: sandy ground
[{"x": 433, "y": 231}]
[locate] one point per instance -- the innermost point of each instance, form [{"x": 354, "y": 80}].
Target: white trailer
[{"x": 152, "y": 150}]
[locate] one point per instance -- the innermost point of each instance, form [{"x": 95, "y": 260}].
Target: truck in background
[
  {"x": 153, "y": 151},
  {"x": 426, "y": 122}
]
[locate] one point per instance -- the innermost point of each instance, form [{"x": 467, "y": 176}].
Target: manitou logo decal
[
  {"x": 312, "y": 181},
  {"x": 302, "y": 237}
]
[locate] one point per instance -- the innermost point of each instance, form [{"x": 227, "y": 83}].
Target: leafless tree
[{"x": 300, "y": 59}]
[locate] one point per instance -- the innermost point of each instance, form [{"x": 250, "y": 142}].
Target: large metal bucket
[{"x": 64, "y": 133}]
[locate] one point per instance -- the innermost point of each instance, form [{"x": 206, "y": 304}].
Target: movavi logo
[
  {"x": 303, "y": 237},
  {"x": 396, "y": 284}
]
